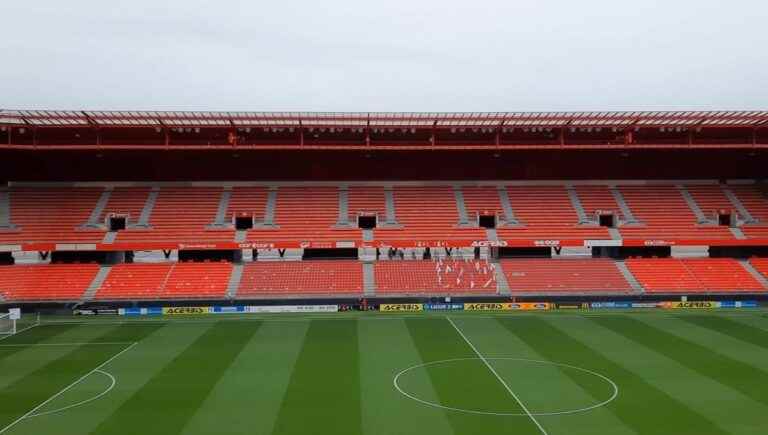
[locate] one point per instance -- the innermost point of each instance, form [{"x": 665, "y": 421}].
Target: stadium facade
[{"x": 129, "y": 207}]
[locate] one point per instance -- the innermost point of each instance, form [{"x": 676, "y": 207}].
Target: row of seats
[
  {"x": 669, "y": 275},
  {"x": 345, "y": 277},
  {"x": 62, "y": 282},
  {"x": 311, "y": 213},
  {"x": 166, "y": 281}
]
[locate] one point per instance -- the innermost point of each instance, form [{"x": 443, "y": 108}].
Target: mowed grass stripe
[
  {"x": 465, "y": 384},
  {"x": 323, "y": 396},
  {"x": 250, "y": 393},
  {"x": 173, "y": 395},
  {"x": 26, "y": 393},
  {"x": 38, "y": 334},
  {"x": 742, "y": 377},
  {"x": 730, "y": 327},
  {"x": 641, "y": 406}
]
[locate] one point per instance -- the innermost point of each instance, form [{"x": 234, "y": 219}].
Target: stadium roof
[{"x": 56, "y": 118}]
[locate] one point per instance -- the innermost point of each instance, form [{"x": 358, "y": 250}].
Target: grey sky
[{"x": 389, "y": 55}]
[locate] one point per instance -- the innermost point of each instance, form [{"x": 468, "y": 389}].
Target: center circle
[{"x": 403, "y": 374}]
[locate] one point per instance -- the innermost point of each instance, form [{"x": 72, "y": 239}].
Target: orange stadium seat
[
  {"x": 183, "y": 280},
  {"x": 445, "y": 276},
  {"x": 264, "y": 278},
  {"x": 670, "y": 275},
  {"x": 564, "y": 276},
  {"x": 60, "y": 282}
]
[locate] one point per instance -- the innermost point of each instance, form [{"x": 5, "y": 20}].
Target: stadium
[
  {"x": 431, "y": 272},
  {"x": 383, "y": 218}
]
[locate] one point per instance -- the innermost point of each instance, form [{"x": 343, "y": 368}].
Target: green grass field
[{"x": 361, "y": 373}]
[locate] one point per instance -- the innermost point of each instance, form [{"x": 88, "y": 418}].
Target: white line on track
[
  {"x": 67, "y": 388},
  {"x": 495, "y": 373}
]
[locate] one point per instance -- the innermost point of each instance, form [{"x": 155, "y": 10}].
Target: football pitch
[{"x": 585, "y": 373}]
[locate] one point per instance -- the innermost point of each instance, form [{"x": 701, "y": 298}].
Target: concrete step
[
  {"x": 626, "y": 212},
  {"x": 343, "y": 219},
  {"x": 98, "y": 280},
  {"x": 461, "y": 207},
  {"x": 234, "y": 280},
  {"x": 615, "y": 233},
  {"x": 701, "y": 219},
  {"x": 502, "y": 286},
  {"x": 241, "y": 235},
  {"x": 576, "y": 204},
  {"x": 101, "y": 204},
  {"x": 5, "y": 210},
  {"x": 390, "y": 220},
  {"x": 367, "y": 235},
  {"x": 109, "y": 237},
  {"x": 269, "y": 208},
  {"x": 369, "y": 280},
  {"x": 745, "y": 215},
  {"x": 149, "y": 205},
  {"x": 219, "y": 221},
  {"x": 506, "y": 205},
  {"x": 755, "y": 273},
  {"x": 737, "y": 233},
  {"x": 633, "y": 282},
  {"x": 490, "y": 234}
]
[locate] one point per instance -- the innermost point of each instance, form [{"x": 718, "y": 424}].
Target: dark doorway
[
  {"x": 724, "y": 219},
  {"x": 243, "y": 223},
  {"x": 487, "y": 221},
  {"x": 366, "y": 222},
  {"x": 117, "y": 223},
  {"x": 607, "y": 220}
]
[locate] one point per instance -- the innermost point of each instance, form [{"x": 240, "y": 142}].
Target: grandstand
[{"x": 255, "y": 206}]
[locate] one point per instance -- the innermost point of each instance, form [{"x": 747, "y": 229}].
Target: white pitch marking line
[
  {"x": 97, "y": 343},
  {"x": 67, "y": 388},
  {"x": 113, "y": 382},
  {"x": 495, "y": 373},
  {"x": 20, "y": 331}
]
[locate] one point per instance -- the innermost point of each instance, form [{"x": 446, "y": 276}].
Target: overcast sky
[{"x": 384, "y": 55}]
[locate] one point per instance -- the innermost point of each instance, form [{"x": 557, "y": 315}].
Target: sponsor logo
[
  {"x": 644, "y": 304},
  {"x": 691, "y": 305},
  {"x": 487, "y": 306},
  {"x": 657, "y": 243},
  {"x": 546, "y": 242},
  {"x": 571, "y": 306},
  {"x": 197, "y": 246},
  {"x": 489, "y": 243},
  {"x": 611, "y": 305},
  {"x": 401, "y": 307},
  {"x": 530, "y": 306},
  {"x": 185, "y": 310},
  {"x": 443, "y": 307},
  {"x": 256, "y": 245}
]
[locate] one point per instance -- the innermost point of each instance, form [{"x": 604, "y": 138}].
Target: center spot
[{"x": 467, "y": 385}]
